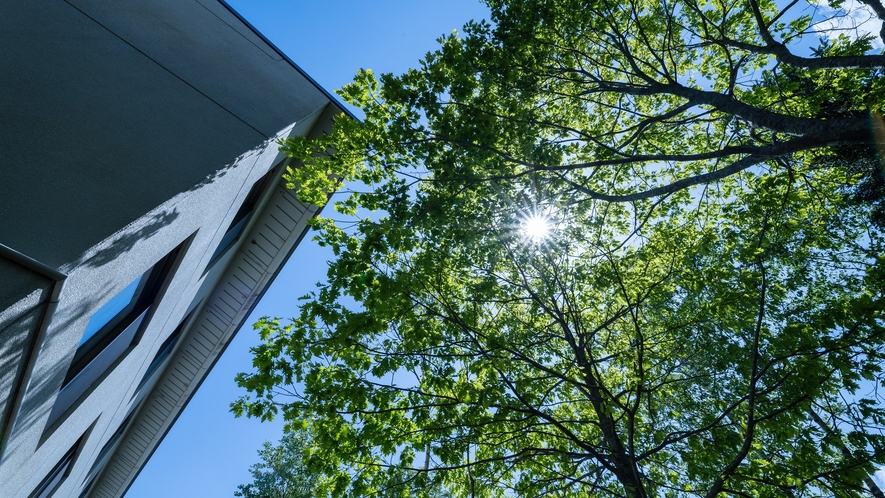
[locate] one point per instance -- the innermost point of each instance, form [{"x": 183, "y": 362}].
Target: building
[{"x": 141, "y": 218}]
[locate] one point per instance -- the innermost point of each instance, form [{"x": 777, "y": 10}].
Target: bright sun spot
[{"x": 536, "y": 227}]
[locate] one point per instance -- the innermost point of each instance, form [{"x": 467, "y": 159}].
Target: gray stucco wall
[
  {"x": 199, "y": 217},
  {"x": 17, "y": 282},
  {"x": 128, "y": 127},
  {"x": 111, "y": 108},
  {"x": 18, "y": 334},
  {"x": 24, "y": 294}
]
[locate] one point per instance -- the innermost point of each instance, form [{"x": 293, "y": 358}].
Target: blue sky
[{"x": 207, "y": 452}]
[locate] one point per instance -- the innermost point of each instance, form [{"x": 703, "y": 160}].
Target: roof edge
[{"x": 332, "y": 98}]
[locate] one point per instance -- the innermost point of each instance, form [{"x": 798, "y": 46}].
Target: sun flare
[{"x": 536, "y": 227}]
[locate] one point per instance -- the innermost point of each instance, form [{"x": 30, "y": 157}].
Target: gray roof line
[{"x": 333, "y": 98}]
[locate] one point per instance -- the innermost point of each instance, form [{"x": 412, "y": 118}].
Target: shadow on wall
[
  {"x": 254, "y": 154},
  {"x": 124, "y": 242},
  {"x": 17, "y": 338},
  {"x": 133, "y": 234},
  {"x": 28, "y": 416},
  {"x": 212, "y": 177},
  {"x": 45, "y": 385}
]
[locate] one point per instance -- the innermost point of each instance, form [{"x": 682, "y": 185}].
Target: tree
[
  {"x": 704, "y": 317},
  {"x": 692, "y": 359},
  {"x": 281, "y": 472},
  {"x": 606, "y": 96}
]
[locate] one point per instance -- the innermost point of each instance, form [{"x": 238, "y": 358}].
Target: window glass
[
  {"x": 99, "y": 460},
  {"x": 113, "y": 340},
  {"x": 118, "y": 305},
  {"x": 163, "y": 352},
  {"x": 229, "y": 237},
  {"x": 58, "y": 474},
  {"x": 241, "y": 218},
  {"x": 119, "y": 318}
]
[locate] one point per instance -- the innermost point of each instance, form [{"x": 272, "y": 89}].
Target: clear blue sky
[{"x": 207, "y": 452}]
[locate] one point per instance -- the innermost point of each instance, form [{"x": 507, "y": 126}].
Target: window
[
  {"x": 86, "y": 489},
  {"x": 118, "y": 315},
  {"x": 59, "y": 473},
  {"x": 105, "y": 450},
  {"x": 164, "y": 351},
  {"x": 243, "y": 214},
  {"x": 114, "y": 308},
  {"x": 110, "y": 334}
]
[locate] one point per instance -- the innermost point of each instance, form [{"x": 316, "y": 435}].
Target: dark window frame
[
  {"x": 148, "y": 293},
  {"x": 164, "y": 351},
  {"x": 86, "y": 489},
  {"x": 106, "y": 352},
  {"x": 108, "y": 446},
  {"x": 49, "y": 485},
  {"x": 244, "y": 214}
]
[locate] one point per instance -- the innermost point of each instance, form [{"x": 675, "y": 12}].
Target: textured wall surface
[
  {"x": 111, "y": 108},
  {"x": 17, "y": 282},
  {"x": 129, "y": 128},
  {"x": 18, "y": 334}
]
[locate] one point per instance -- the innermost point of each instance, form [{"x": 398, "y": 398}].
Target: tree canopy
[
  {"x": 704, "y": 315},
  {"x": 618, "y": 101},
  {"x": 281, "y": 473}
]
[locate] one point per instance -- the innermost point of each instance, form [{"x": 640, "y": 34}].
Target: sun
[{"x": 536, "y": 227}]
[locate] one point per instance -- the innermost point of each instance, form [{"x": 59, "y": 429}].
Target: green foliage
[
  {"x": 705, "y": 318},
  {"x": 615, "y": 101},
  {"x": 282, "y": 472}
]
